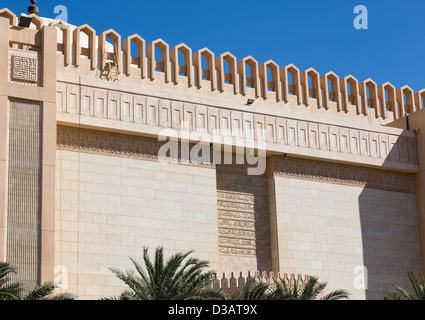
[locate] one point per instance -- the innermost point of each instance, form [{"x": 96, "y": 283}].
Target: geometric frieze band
[
  {"x": 178, "y": 115},
  {"x": 344, "y": 174}
]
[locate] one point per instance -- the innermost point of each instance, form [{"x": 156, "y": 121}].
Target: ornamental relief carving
[
  {"x": 236, "y": 206},
  {"x": 236, "y": 215},
  {"x": 236, "y": 223},
  {"x": 113, "y": 144},
  {"x": 240, "y": 197},
  {"x": 236, "y": 233},
  {"x": 237, "y": 242},
  {"x": 237, "y": 251},
  {"x": 24, "y": 67},
  {"x": 344, "y": 174}
]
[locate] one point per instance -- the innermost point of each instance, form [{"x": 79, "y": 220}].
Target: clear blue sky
[{"x": 307, "y": 33}]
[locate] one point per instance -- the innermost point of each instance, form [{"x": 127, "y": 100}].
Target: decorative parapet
[
  {"x": 164, "y": 64},
  {"x": 187, "y": 68},
  {"x": 91, "y": 51},
  {"x": 364, "y": 100},
  {"x": 66, "y": 46},
  {"x": 234, "y": 284},
  {"x": 140, "y": 60},
  {"x": 6, "y": 13},
  {"x": 210, "y": 72},
  {"x": 116, "y": 54}
]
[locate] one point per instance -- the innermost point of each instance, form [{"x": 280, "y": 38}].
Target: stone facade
[{"x": 339, "y": 196}]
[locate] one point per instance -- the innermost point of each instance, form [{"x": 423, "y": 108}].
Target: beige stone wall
[
  {"x": 333, "y": 230},
  {"x": 109, "y": 207}
]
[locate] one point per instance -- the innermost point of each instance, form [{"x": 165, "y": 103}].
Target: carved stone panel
[
  {"x": 243, "y": 219},
  {"x": 25, "y": 67}
]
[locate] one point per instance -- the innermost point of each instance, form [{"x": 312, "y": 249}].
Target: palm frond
[{"x": 337, "y": 295}]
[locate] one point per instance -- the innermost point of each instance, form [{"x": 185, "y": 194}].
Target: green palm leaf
[{"x": 180, "y": 277}]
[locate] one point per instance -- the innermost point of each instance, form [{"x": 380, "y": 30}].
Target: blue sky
[{"x": 307, "y": 33}]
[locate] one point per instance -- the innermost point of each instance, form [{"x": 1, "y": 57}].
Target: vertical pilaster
[
  {"x": 274, "y": 243},
  {"x": 4, "y": 69},
  {"x": 48, "y": 154}
]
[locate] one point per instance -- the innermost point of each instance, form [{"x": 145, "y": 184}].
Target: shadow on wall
[{"x": 389, "y": 226}]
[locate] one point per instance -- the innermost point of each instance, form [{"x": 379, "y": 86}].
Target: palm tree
[
  {"x": 252, "y": 291},
  {"x": 418, "y": 288},
  {"x": 311, "y": 291},
  {"x": 179, "y": 278},
  {"x": 8, "y": 290},
  {"x": 17, "y": 290},
  {"x": 45, "y": 292}
]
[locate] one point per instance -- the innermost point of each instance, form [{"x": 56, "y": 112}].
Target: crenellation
[
  {"x": 420, "y": 99},
  {"x": 406, "y": 100},
  {"x": 387, "y": 95},
  {"x": 295, "y": 87},
  {"x": 359, "y": 102},
  {"x": 332, "y": 93},
  {"x": 232, "y": 77},
  {"x": 210, "y": 72},
  {"x": 272, "y": 84},
  {"x": 315, "y": 92},
  {"x": 140, "y": 60},
  {"x": 36, "y": 21},
  {"x": 164, "y": 64},
  {"x": 186, "y": 68},
  {"x": 253, "y": 81},
  {"x": 369, "y": 96},
  {"x": 351, "y": 98},
  {"x": 6, "y": 13},
  {"x": 66, "y": 46},
  {"x": 105, "y": 54},
  {"x": 90, "y": 51}
]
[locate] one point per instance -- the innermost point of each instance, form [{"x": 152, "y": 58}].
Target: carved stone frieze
[
  {"x": 344, "y": 174},
  {"x": 229, "y": 214},
  {"x": 114, "y": 144}
]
